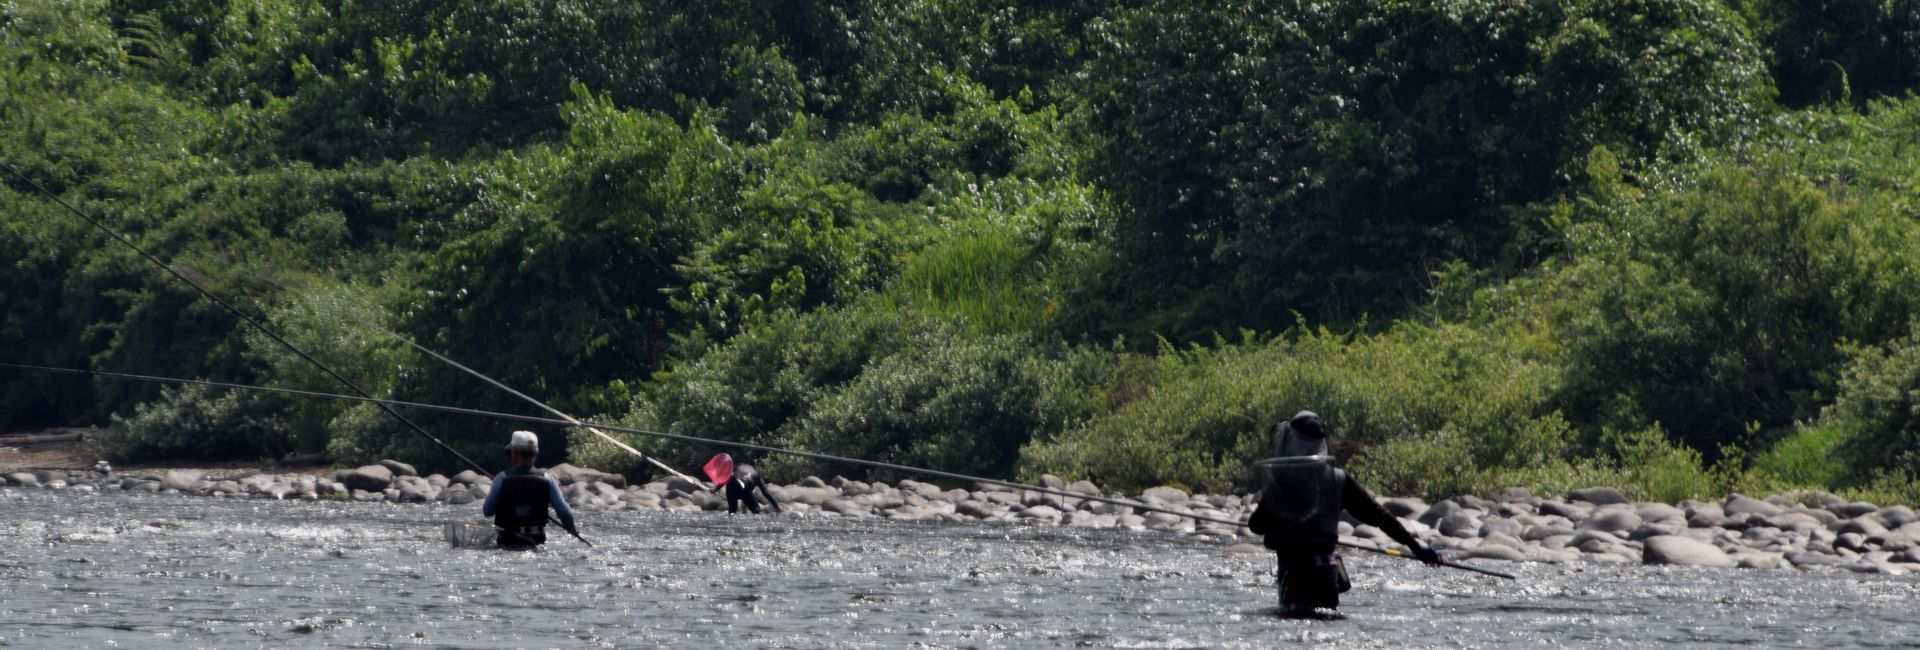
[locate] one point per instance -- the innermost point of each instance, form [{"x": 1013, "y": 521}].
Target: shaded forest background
[{"x": 1668, "y": 245}]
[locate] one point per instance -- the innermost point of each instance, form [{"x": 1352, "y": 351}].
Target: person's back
[{"x": 1299, "y": 515}]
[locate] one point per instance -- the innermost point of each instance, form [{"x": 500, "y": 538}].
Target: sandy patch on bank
[{"x": 18, "y": 452}]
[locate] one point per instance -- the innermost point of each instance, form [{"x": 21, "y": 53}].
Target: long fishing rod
[
  {"x": 708, "y": 441},
  {"x": 250, "y": 320},
  {"x": 483, "y": 377}
]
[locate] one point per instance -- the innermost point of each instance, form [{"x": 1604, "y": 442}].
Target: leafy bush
[
  {"x": 1209, "y": 412},
  {"x": 196, "y": 422}
]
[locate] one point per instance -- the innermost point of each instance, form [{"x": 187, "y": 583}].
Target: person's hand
[{"x": 1425, "y": 553}]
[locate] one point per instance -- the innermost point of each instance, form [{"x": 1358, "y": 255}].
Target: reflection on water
[{"x": 143, "y": 570}]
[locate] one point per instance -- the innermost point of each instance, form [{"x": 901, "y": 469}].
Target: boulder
[
  {"x": 1864, "y": 525},
  {"x": 26, "y": 479},
  {"x": 1493, "y": 552},
  {"x": 470, "y": 477},
  {"x": 1660, "y": 512},
  {"x": 1169, "y": 495},
  {"x": 369, "y": 478},
  {"x": 1612, "y": 521},
  {"x": 1795, "y": 521},
  {"x": 398, "y": 468},
  {"x": 1516, "y": 495},
  {"x": 1460, "y": 524},
  {"x": 1737, "y": 504},
  {"x": 1896, "y": 516},
  {"x": 1757, "y": 560},
  {"x": 844, "y": 507},
  {"x": 1805, "y": 559},
  {"x": 1656, "y": 529},
  {"x": 1167, "y": 521},
  {"x": 1404, "y": 508},
  {"x": 458, "y": 495},
  {"x": 1684, "y": 551},
  {"x": 973, "y": 509},
  {"x": 1854, "y": 509},
  {"x": 1599, "y": 496},
  {"x": 1572, "y": 511},
  {"x": 1048, "y": 513},
  {"x": 1439, "y": 511},
  {"x": 1501, "y": 526},
  {"x": 640, "y": 499},
  {"x": 813, "y": 482},
  {"x": 182, "y": 480}
]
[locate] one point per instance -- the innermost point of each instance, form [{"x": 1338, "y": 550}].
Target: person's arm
[
  {"x": 763, "y": 490},
  {"x": 560, "y": 507},
  {"x": 493, "y": 496},
  {"x": 1368, "y": 511}
]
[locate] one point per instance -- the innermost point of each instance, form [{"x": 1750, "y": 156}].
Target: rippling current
[{"x": 144, "y": 570}]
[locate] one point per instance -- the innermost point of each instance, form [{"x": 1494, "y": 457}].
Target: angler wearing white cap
[{"x": 520, "y": 497}]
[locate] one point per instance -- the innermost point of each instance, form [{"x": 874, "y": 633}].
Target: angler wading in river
[
  {"x": 1299, "y": 513},
  {"x": 521, "y": 495}
]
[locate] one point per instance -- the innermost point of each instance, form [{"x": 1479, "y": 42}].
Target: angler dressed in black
[
  {"x": 1299, "y": 513},
  {"x": 740, "y": 487},
  {"x": 520, "y": 497}
]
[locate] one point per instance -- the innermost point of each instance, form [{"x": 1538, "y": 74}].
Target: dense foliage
[{"x": 1667, "y": 245}]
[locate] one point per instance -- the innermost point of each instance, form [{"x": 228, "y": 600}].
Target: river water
[{"x": 116, "y": 569}]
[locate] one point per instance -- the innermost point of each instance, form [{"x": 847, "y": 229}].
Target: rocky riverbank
[{"x": 1593, "y": 525}]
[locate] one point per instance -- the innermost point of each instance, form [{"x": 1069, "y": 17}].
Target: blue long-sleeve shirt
[{"x": 554, "y": 498}]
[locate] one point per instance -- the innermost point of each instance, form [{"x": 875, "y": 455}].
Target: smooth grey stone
[
  {"x": 148, "y": 486},
  {"x": 398, "y": 468},
  {"x": 1003, "y": 498},
  {"x": 642, "y": 499},
  {"x": 1761, "y": 534},
  {"x": 1706, "y": 519},
  {"x": 1891, "y": 541},
  {"x": 812, "y": 482},
  {"x": 1656, "y": 529},
  {"x": 470, "y": 477},
  {"x": 1737, "y": 504},
  {"x": 1863, "y": 524},
  {"x": 1031, "y": 498},
  {"x": 911, "y": 513},
  {"x": 813, "y": 496},
  {"x": 1459, "y": 524},
  {"x": 1133, "y": 522},
  {"x": 1851, "y": 541},
  {"x": 1499, "y": 525},
  {"x": 25, "y": 479},
  {"x": 1516, "y": 495},
  {"x": 439, "y": 481},
  {"x": 50, "y": 475},
  {"x": 1167, "y": 494},
  {"x": 415, "y": 493},
  {"x": 1051, "y": 481},
  {"x": 920, "y": 488},
  {"x": 1795, "y": 521},
  {"x": 1471, "y": 502},
  {"x": 1108, "y": 508},
  {"x": 1613, "y": 521},
  {"x": 1582, "y": 537},
  {"x": 1573, "y": 512},
  {"x": 1599, "y": 496},
  {"x": 1166, "y": 521},
  {"x": 1807, "y": 559},
  {"x": 1404, "y": 507},
  {"x": 1544, "y": 531},
  {"x": 1684, "y": 551},
  {"x": 182, "y": 480},
  {"x": 1752, "y": 560},
  {"x": 1084, "y": 487},
  {"x": 844, "y": 507},
  {"x": 370, "y": 478},
  {"x": 880, "y": 501},
  {"x": 1855, "y": 509},
  {"x": 1818, "y": 514},
  {"x": 683, "y": 485},
  {"x": 1779, "y": 500},
  {"x": 229, "y": 487},
  {"x": 365, "y": 495},
  {"x": 1084, "y": 519},
  {"x": 1896, "y": 516},
  {"x": 1493, "y": 552},
  {"x": 1511, "y": 510},
  {"x": 974, "y": 509},
  {"x": 1502, "y": 539},
  {"x": 1437, "y": 512},
  {"x": 1659, "y": 512}
]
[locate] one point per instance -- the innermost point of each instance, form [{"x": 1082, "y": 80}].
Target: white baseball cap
[{"x": 524, "y": 442}]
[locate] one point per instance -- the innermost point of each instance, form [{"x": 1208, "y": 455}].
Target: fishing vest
[
  {"x": 743, "y": 476},
  {"x": 1303, "y": 492},
  {"x": 522, "y": 507}
]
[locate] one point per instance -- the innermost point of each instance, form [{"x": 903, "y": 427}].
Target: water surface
[{"x": 115, "y": 569}]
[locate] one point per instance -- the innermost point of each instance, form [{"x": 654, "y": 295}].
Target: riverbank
[{"x": 1595, "y": 525}]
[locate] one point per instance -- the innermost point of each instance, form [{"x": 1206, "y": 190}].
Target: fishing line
[
  {"x": 483, "y": 377},
  {"x": 250, "y": 320},
  {"x": 708, "y": 441}
]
